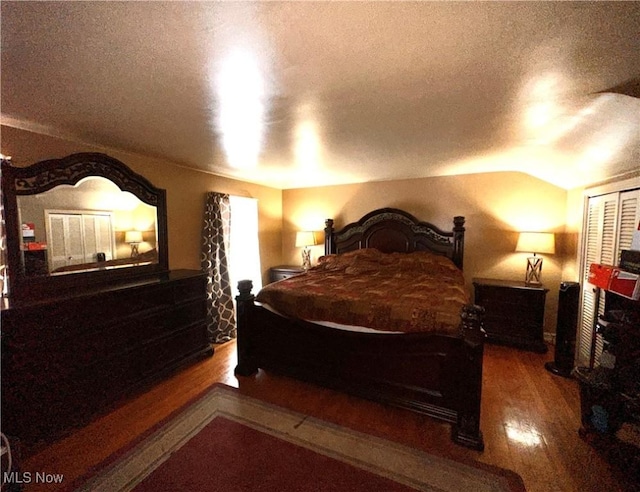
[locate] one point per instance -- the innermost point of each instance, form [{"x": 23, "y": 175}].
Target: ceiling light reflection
[
  {"x": 528, "y": 436},
  {"x": 540, "y": 100},
  {"x": 242, "y": 96},
  {"x": 307, "y": 146}
]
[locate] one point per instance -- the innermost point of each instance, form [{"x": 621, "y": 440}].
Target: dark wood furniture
[
  {"x": 45, "y": 176},
  {"x": 514, "y": 312},
  {"x": 610, "y": 393},
  {"x": 429, "y": 373},
  {"x": 65, "y": 359},
  {"x": 284, "y": 271},
  {"x": 35, "y": 262},
  {"x": 74, "y": 344}
]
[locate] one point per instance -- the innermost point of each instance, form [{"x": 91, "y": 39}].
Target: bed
[{"x": 436, "y": 372}]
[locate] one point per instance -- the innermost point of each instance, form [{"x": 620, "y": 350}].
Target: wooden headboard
[{"x": 392, "y": 230}]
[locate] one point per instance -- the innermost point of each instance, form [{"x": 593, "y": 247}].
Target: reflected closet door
[{"x": 76, "y": 238}]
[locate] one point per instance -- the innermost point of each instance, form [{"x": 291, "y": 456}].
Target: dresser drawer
[{"x": 65, "y": 359}]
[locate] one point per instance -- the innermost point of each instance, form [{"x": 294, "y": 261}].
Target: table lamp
[
  {"x": 535, "y": 242},
  {"x": 134, "y": 238},
  {"x": 304, "y": 239}
]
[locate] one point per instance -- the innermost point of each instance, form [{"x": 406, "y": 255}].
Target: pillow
[
  {"x": 371, "y": 260},
  {"x": 344, "y": 260},
  {"x": 426, "y": 262}
]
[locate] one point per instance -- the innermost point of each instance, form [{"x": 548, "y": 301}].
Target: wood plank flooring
[{"x": 530, "y": 420}]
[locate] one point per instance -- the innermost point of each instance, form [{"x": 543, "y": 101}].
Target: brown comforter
[{"x": 401, "y": 292}]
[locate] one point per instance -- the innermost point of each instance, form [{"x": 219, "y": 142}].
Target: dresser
[
  {"x": 514, "y": 312},
  {"x": 284, "y": 271},
  {"x": 66, "y": 359}
]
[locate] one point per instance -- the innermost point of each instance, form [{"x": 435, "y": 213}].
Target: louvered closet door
[
  {"x": 75, "y": 238},
  {"x": 610, "y": 222},
  {"x": 98, "y": 237},
  {"x": 629, "y": 218},
  {"x": 599, "y": 247},
  {"x": 57, "y": 250}
]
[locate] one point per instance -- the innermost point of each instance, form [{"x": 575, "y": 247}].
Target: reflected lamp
[
  {"x": 535, "y": 243},
  {"x": 134, "y": 238},
  {"x": 304, "y": 239}
]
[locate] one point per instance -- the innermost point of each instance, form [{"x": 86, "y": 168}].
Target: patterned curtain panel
[{"x": 221, "y": 321}]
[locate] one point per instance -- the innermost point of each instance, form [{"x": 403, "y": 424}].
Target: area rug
[{"x": 226, "y": 441}]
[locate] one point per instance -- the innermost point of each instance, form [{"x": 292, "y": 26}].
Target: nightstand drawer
[
  {"x": 512, "y": 325},
  {"x": 531, "y": 311},
  {"x": 514, "y": 298},
  {"x": 514, "y": 312},
  {"x": 284, "y": 271}
]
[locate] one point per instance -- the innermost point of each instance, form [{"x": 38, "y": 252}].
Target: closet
[
  {"x": 611, "y": 217},
  {"x": 78, "y": 236}
]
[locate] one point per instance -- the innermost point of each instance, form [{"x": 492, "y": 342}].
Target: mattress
[
  {"x": 397, "y": 292},
  {"x": 331, "y": 324}
]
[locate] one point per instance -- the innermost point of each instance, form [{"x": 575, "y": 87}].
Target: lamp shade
[
  {"x": 536, "y": 242},
  {"x": 133, "y": 237},
  {"x": 305, "y": 238}
]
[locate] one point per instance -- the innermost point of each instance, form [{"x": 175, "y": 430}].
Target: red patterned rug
[{"x": 226, "y": 441}]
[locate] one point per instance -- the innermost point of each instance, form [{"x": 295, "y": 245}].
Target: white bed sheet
[{"x": 331, "y": 324}]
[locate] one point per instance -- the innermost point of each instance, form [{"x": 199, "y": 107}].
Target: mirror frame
[{"x": 45, "y": 175}]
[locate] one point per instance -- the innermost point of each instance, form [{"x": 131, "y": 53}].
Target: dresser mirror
[{"x": 78, "y": 221}]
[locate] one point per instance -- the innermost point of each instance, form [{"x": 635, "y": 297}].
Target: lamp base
[
  {"x": 306, "y": 258},
  {"x": 534, "y": 270},
  {"x": 134, "y": 250}
]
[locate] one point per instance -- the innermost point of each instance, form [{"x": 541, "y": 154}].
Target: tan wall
[
  {"x": 573, "y": 233},
  {"x": 496, "y": 206},
  {"x": 185, "y": 188}
]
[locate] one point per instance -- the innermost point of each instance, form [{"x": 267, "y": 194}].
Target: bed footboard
[
  {"x": 466, "y": 431},
  {"x": 436, "y": 375}
]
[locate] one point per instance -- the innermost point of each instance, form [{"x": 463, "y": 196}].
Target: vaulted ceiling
[{"x": 293, "y": 94}]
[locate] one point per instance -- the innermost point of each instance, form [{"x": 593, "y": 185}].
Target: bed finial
[
  {"x": 458, "y": 241},
  {"x": 458, "y": 222},
  {"x": 329, "y": 246},
  {"x": 471, "y": 324},
  {"x": 244, "y": 287}
]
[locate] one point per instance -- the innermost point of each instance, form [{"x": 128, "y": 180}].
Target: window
[{"x": 244, "y": 250}]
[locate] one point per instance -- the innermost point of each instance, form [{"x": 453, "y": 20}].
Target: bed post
[
  {"x": 244, "y": 305},
  {"x": 466, "y": 431},
  {"x": 458, "y": 241},
  {"x": 329, "y": 245}
]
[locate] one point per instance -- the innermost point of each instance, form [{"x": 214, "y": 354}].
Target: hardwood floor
[{"x": 530, "y": 421}]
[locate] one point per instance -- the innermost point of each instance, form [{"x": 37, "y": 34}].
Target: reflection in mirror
[{"x": 86, "y": 227}]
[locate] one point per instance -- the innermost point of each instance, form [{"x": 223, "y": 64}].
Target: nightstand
[
  {"x": 284, "y": 271},
  {"x": 514, "y": 312}
]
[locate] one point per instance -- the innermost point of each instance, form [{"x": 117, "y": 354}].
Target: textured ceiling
[{"x": 293, "y": 94}]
